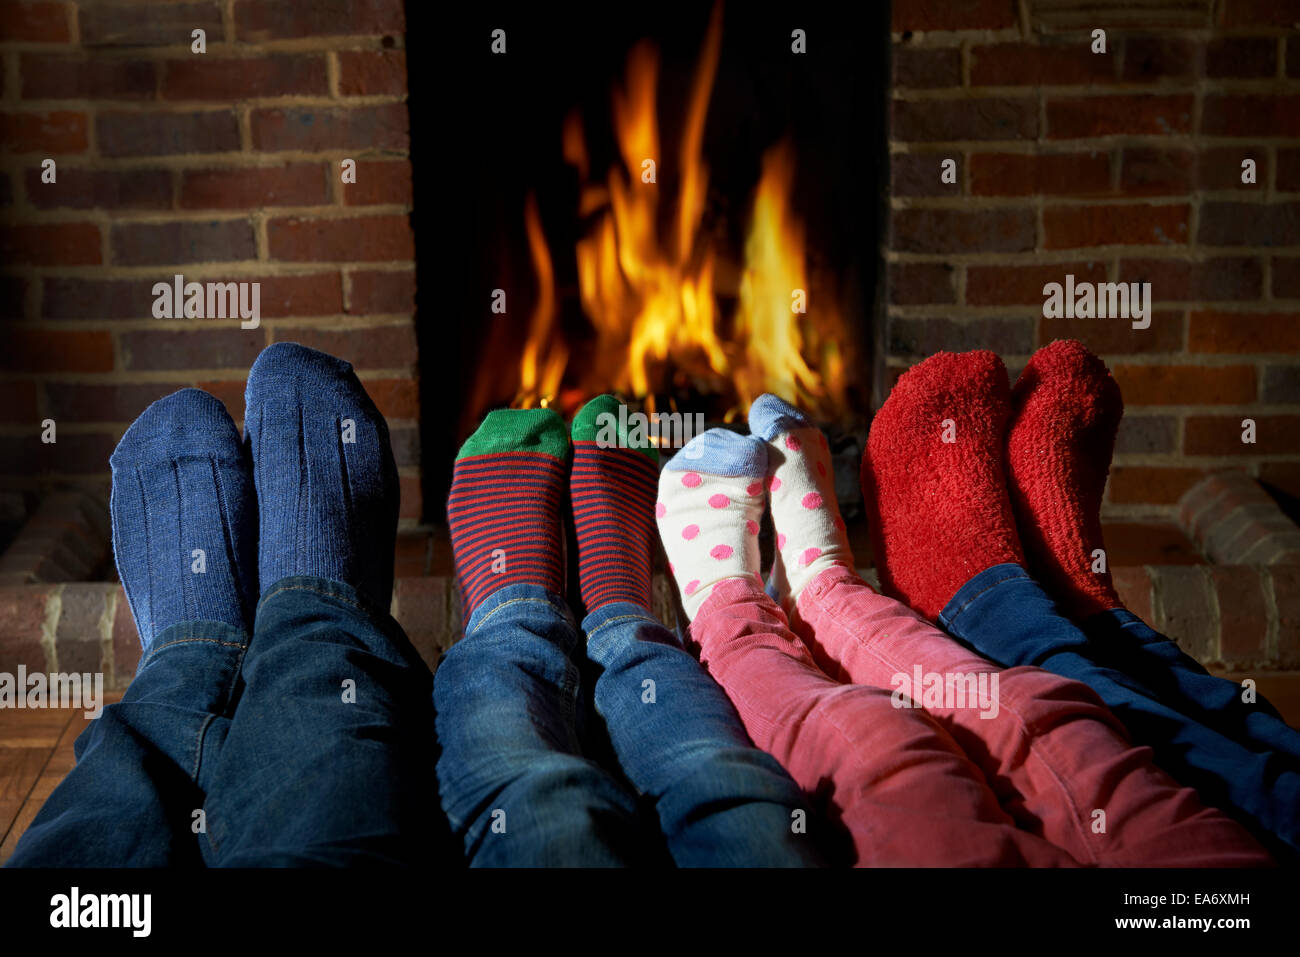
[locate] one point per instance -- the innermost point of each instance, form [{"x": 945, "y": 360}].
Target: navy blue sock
[
  {"x": 327, "y": 488},
  {"x": 184, "y": 516}
]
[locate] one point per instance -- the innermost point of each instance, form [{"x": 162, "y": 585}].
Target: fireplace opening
[{"x": 680, "y": 209}]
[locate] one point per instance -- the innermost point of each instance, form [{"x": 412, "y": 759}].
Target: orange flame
[{"x": 652, "y": 303}]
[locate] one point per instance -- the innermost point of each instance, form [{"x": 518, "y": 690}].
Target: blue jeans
[
  {"x": 308, "y": 743},
  {"x": 1240, "y": 757},
  {"x": 520, "y": 738}
]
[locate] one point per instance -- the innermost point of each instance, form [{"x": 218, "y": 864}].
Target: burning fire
[{"x": 649, "y": 292}]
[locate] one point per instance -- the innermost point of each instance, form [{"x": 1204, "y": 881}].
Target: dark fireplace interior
[{"x": 520, "y": 152}]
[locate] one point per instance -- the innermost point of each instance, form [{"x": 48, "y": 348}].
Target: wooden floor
[{"x": 36, "y": 752}]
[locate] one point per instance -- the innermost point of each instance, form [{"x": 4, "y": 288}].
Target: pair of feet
[{"x": 204, "y": 522}]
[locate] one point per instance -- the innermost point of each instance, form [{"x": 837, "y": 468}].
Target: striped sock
[
  {"x": 613, "y": 488},
  {"x": 504, "y": 506}
]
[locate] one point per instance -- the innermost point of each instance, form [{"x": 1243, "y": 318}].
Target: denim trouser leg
[
  {"x": 329, "y": 757},
  {"x": 512, "y": 776},
  {"x": 130, "y": 799},
  {"x": 1125, "y": 642},
  {"x": 1007, "y": 616},
  {"x": 721, "y": 801}
]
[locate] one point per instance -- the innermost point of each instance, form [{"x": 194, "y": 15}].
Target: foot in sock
[
  {"x": 504, "y": 506},
  {"x": 710, "y": 504},
  {"x": 1066, "y": 409},
  {"x": 612, "y": 485},
  {"x": 184, "y": 516},
  {"x": 327, "y": 488},
  {"x": 810, "y": 534},
  {"x": 933, "y": 480}
]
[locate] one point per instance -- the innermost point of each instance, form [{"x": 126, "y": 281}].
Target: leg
[
  {"x": 329, "y": 757},
  {"x": 513, "y": 778},
  {"x": 180, "y": 484},
  {"x": 896, "y": 781}
]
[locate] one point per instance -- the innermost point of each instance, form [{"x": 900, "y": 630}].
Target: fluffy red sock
[
  {"x": 939, "y": 509},
  {"x": 1065, "y": 412}
]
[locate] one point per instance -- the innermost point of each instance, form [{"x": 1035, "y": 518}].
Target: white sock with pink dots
[
  {"x": 810, "y": 534},
  {"x": 710, "y": 503}
]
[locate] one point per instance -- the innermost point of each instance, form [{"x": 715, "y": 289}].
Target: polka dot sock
[
  {"x": 1065, "y": 413},
  {"x": 613, "y": 491},
  {"x": 504, "y": 508},
  {"x": 710, "y": 504},
  {"x": 810, "y": 534}
]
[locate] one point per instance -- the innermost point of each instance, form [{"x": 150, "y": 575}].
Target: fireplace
[{"x": 679, "y": 209}]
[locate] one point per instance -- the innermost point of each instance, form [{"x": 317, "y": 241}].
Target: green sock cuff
[
  {"x": 540, "y": 431},
  {"x": 599, "y": 420}
]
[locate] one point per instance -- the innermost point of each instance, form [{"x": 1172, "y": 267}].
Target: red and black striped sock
[
  {"x": 504, "y": 506},
  {"x": 614, "y": 484}
]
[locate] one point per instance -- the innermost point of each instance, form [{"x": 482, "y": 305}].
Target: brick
[
  {"x": 13, "y": 295},
  {"x": 406, "y": 446},
  {"x": 1292, "y": 60},
  {"x": 426, "y": 608},
  {"x": 75, "y": 454},
  {"x": 962, "y": 231},
  {"x": 77, "y": 639},
  {"x": 1146, "y": 434},
  {"x": 385, "y": 126},
  {"x": 376, "y": 347},
  {"x": 1233, "y": 114},
  {"x": 1243, "y": 332},
  {"x": 248, "y": 187},
  {"x": 938, "y": 15},
  {"x": 1088, "y": 116},
  {"x": 43, "y": 350},
  {"x": 1283, "y": 476},
  {"x": 68, "y": 298},
  {"x": 51, "y": 244},
  {"x": 1117, "y": 336},
  {"x": 221, "y": 345},
  {"x": 411, "y": 504},
  {"x": 1243, "y": 613},
  {"x": 126, "y": 642},
  {"x": 369, "y": 238},
  {"x": 52, "y": 133},
  {"x": 1286, "y": 278},
  {"x": 923, "y": 337},
  {"x": 1133, "y": 585},
  {"x": 166, "y": 134},
  {"x": 148, "y": 24},
  {"x": 145, "y": 244},
  {"x": 1285, "y": 580},
  {"x": 913, "y": 284},
  {"x": 231, "y": 395},
  {"x": 318, "y": 294},
  {"x": 1069, "y": 227},
  {"x": 1156, "y": 172},
  {"x": 228, "y": 78},
  {"x": 380, "y": 181},
  {"x": 1288, "y": 170},
  {"x": 1038, "y": 64},
  {"x": 1153, "y": 59},
  {"x": 1280, "y": 384},
  {"x": 1260, "y": 13},
  {"x": 1019, "y": 174},
  {"x": 18, "y": 402},
  {"x": 1241, "y": 57},
  {"x": 22, "y": 616},
  {"x": 1221, "y": 435},
  {"x": 374, "y": 292},
  {"x": 88, "y": 402},
  {"x": 1185, "y": 385},
  {"x": 1023, "y": 285},
  {"x": 258, "y": 20},
  {"x": 395, "y": 398},
  {"x": 379, "y": 72},
  {"x": 918, "y": 174},
  {"x": 34, "y": 23},
  {"x": 993, "y": 118},
  {"x": 1184, "y": 610},
  {"x": 98, "y": 78},
  {"x": 1176, "y": 280},
  {"x": 75, "y": 188},
  {"x": 1250, "y": 224},
  {"x": 1218, "y": 169}
]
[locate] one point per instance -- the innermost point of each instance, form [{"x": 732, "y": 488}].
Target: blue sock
[
  {"x": 327, "y": 488},
  {"x": 184, "y": 516},
  {"x": 770, "y": 416}
]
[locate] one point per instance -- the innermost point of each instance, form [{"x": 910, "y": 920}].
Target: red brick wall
[
  {"x": 220, "y": 166},
  {"x": 1123, "y": 166}
]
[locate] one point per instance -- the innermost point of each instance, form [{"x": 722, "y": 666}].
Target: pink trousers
[{"x": 1033, "y": 771}]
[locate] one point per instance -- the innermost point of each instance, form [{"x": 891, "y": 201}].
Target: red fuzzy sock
[
  {"x": 1065, "y": 412},
  {"x": 933, "y": 481}
]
